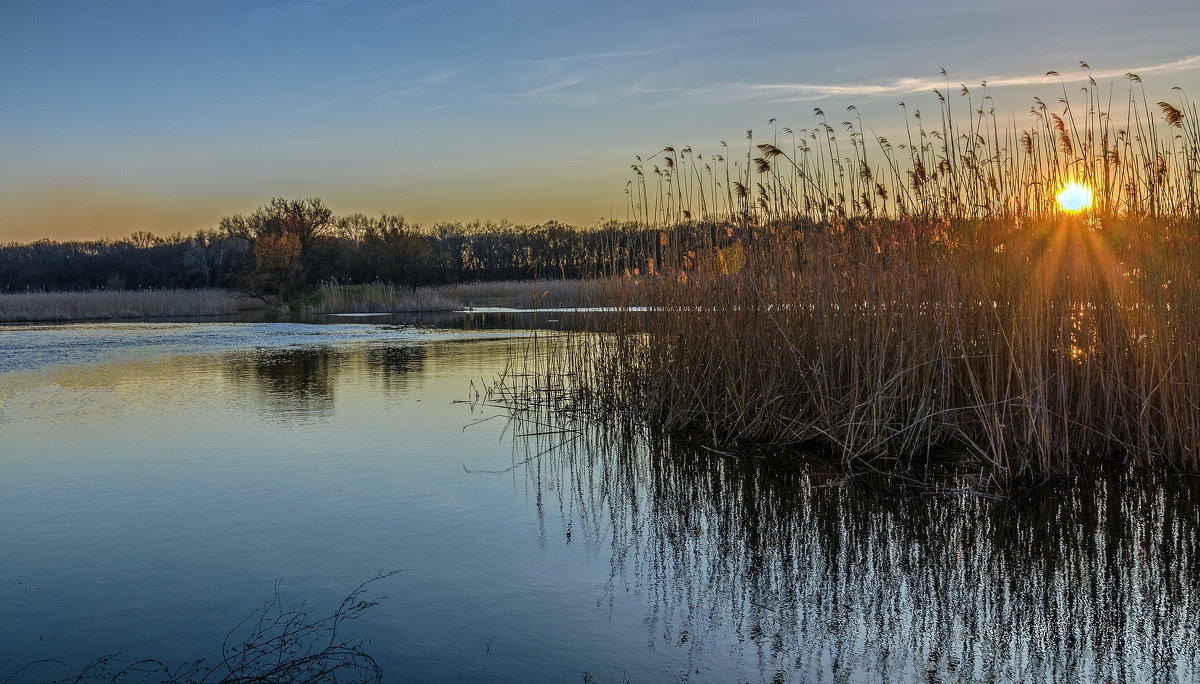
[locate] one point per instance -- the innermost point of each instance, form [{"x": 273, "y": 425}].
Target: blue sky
[{"x": 164, "y": 116}]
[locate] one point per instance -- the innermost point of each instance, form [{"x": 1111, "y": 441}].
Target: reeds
[
  {"x": 1015, "y": 348},
  {"x": 332, "y": 298},
  {"x": 1142, "y": 156},
  {"x": 109, "y": 304},
  {"x": 518, "y": 294},
  {"x": 953, "y": 315}
]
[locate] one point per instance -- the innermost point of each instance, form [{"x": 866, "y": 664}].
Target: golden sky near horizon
[{"x": 164, "y": 117}]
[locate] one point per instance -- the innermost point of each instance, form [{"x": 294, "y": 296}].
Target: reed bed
[
  {"x": 521, "y": 294},
  {"x": 110, "y": 304},
  {"x": 897, "y": 316},
  {"x": 333, "y": 299},
  {"x": 1017, "y": 349}
]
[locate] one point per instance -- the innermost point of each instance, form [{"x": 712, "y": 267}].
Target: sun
[{"x": 1075, "y": 197}]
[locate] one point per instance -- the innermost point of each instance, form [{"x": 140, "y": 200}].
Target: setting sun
[{"x": 1074, "y": 197}]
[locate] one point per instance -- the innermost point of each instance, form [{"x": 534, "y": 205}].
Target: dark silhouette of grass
[
  {"x": 273, "y": 644},
  {"x": 1141, "y": 157}
]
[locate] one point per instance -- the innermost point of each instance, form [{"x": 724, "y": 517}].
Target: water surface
[{"x": 156, "y": 480}]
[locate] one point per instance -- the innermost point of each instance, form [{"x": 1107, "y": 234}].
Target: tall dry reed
[
  {"x": 1140, "y": 153},
  {"x": 903, "y": 303},
  {"x": 1016, "y": 347}
]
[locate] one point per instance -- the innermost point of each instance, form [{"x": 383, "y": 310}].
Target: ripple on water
[{"x": 34, "y": 348}]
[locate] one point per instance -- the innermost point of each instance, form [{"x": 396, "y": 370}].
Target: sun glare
[{"x": 1075, "y": 197}]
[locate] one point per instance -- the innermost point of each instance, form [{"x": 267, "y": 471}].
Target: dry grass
[
  {"x": 899, "y": 304},
  {"x": 329, "y": 299},
  {"x": 522, "y": 294},
  {"x": 105, "y": 304},
  {"x": 1016, "y": 348},
  {"x": 962, "y": 159}
]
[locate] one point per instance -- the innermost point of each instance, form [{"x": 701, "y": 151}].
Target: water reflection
[
  {"x": 293, "y": 382},
  {"x": 300, "y": 382},
  {"x": 810, "y": 577},
  {"x": 721, "y": 567},
  {"x": 496, "y": 319},
  {"x": 395, "y": 367}
]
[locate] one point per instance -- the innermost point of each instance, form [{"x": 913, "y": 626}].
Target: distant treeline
[{"x": 289, "y": 245}]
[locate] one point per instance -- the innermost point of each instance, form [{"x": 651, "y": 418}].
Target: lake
[{"x": 157, "y": 480}]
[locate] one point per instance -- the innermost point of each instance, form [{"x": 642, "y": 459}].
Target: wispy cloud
[
  {"x": 599, "y": 56},
  {"x": 277, "y": 11},
  {"x": 337, "y": 93},
  {"x": 647, "y": 90},
  {"x": 557, "y": 85},
  {"x": 795, "y": 92},
  {"x": 441, "y": 76},
  {"x": 556, "y": 76},
  {"x": 411, "y": 10}
]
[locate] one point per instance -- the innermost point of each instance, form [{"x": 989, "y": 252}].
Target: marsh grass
[
  {"x": 113, "y": 304},
  {"x": 1018, "y": 349},
  {"x": 956, "y": 316},
  {"x": 333, "y": 298},
  {"x": 521, "y": 294},
  {"x": 1140, "y": 154}
]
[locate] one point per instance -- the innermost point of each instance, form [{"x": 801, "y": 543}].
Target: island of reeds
[{"x": 919, "y": 302}]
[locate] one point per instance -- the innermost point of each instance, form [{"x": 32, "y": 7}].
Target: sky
[{"x": 166, "y": 115}]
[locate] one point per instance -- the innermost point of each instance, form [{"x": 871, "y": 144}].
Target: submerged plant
[{"x": 273, "y": 644}]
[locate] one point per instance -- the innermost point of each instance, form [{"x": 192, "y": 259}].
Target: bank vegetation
[{"x": 904, "y": 305}]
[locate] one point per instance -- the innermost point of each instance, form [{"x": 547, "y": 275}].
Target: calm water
[{"x": 157, "y": 479}]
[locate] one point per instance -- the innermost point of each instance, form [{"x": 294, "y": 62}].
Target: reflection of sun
[{"x": 1074, "y": 197}]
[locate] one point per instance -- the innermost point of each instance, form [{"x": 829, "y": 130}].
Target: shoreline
[
  {"x": 329, "y": 299},
  {"x": 105, "y": 305}
]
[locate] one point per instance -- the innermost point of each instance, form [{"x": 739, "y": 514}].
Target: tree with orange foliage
[
  {"x": 277, "y": 262},
  {"x": 281, "y": 235}
]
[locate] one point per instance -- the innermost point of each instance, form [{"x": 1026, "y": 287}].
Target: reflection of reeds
[
  {"x": 811, "y": 575},
  {"x": 104, "y": 304}
]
